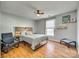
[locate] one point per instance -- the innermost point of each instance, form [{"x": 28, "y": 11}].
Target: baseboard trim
[{"x": 55, "y": 40}]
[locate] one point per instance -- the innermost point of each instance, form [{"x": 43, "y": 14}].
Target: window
[{"x": 50, "y": 24}]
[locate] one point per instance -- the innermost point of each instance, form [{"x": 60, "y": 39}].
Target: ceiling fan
[{"x": 39, "y": 12}]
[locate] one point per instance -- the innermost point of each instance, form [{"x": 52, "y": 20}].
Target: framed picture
[
  {"x": 73, "y": 20},
  {"x": 66, "y": 19}
]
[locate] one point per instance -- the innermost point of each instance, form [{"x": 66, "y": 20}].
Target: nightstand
[
  {"x": 17, "y": 35},
  {"x": 17, "y": 38}
]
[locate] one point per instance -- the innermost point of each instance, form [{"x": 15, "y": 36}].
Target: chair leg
[
  {"x": 60, "y": 41},
  {"x": 5, "y": 51},
  {"x": 5, "y": 48},
  {"x": 75, "y": 45},
  {"x": 68, "y": 45}
]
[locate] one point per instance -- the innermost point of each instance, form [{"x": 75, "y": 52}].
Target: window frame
[{"x": 50, "y": 28}]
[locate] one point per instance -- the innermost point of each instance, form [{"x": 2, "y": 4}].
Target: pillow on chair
[{"x": 7, "y": 38}]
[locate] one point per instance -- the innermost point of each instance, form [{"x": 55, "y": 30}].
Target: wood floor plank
[{"x": 50, "y": 50}]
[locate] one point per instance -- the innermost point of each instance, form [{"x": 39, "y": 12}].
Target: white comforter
[{"x": 34, "y": 39}]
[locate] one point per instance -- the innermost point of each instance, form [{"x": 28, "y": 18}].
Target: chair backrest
[{"x": 7, "y": 38}]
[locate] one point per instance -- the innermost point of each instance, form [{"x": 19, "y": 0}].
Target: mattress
[{"x": 34, "y": 39}]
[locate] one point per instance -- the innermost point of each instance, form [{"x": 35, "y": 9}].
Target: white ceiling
[{"x": 26, "y": 8}]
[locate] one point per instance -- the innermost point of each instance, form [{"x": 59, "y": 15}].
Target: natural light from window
[{"x": 50, "y": 24}]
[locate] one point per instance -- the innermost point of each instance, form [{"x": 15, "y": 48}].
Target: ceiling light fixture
[{"x": 39, "y": 13}]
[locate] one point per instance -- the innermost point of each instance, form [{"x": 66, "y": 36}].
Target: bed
[
  {"x": 28, "y": 36},
  {"x": 34, "y": 39}
]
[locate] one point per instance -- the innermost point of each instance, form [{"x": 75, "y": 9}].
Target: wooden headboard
[{"x": 19, "y": 30}]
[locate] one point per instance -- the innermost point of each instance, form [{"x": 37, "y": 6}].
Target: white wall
[
  {"x": 39, "y": 26},
  {"x": 78, "y": 28},
  {"x": 8, "y": 22},
  {"x": 71, "y": 31},
  {"x": 0, "y": 25}
]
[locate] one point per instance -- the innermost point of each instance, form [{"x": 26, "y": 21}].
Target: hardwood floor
[{"x": 49, "y": 50}]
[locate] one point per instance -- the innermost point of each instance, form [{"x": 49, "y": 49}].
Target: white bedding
[{"x": 34, "y": 39}]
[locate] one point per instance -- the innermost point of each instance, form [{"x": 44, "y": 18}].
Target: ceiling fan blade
[{"x": 41, "y": 13}]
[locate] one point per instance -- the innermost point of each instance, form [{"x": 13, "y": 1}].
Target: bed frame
[{"x": 19, "y": 30}]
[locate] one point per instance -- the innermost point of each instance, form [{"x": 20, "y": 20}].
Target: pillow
[
  {"x": 26, "y": 33},
  {"x": 23, "y": 33},
  {"x": 29, "y": 33}
]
